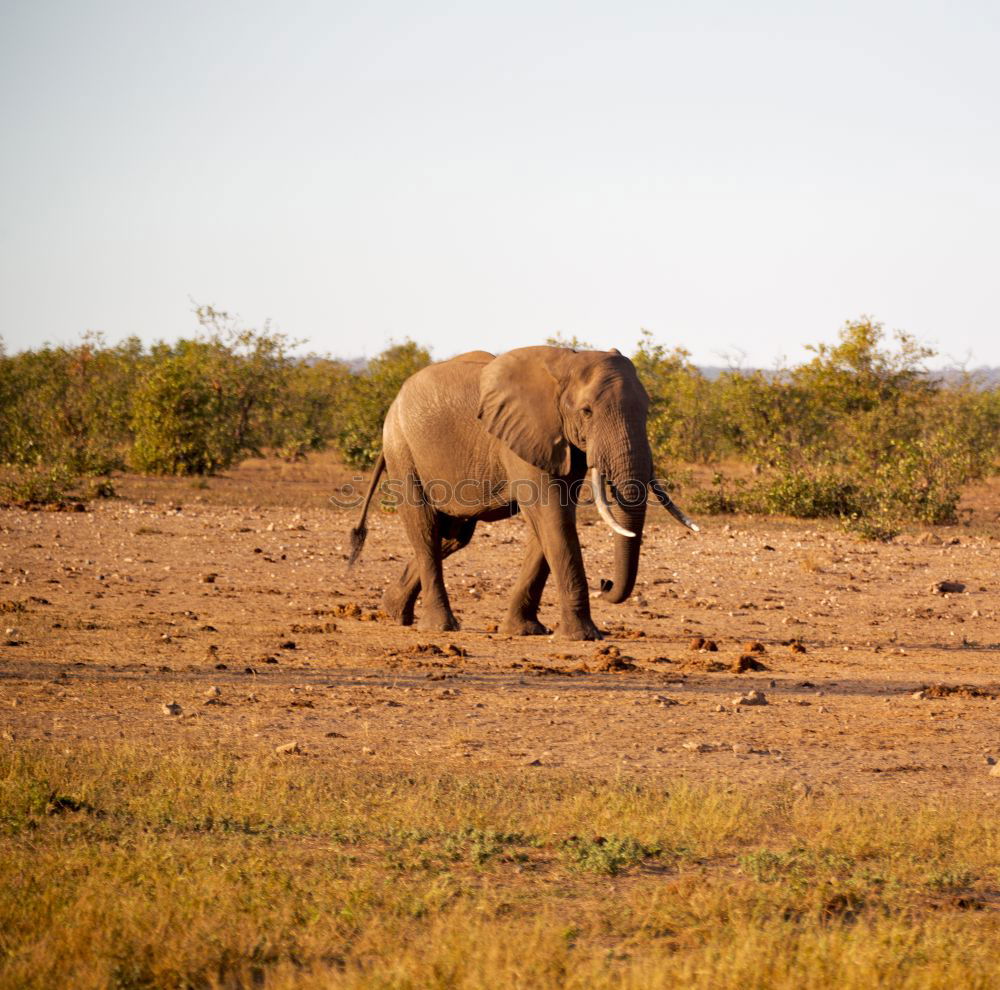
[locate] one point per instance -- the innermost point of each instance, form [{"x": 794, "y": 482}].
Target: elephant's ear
[{"x": 519, "y": 404}]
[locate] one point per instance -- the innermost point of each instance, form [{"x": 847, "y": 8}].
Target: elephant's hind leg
[
  {"x": 400, "y": 598},
  {"x": 424, "y": 529},
  {"x": 522, "y": 615}
]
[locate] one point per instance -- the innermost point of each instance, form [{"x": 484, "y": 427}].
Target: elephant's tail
[{"x": 360, "y": 532}]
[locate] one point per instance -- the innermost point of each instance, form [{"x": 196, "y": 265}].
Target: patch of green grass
[{"x": 126, "y": 867}]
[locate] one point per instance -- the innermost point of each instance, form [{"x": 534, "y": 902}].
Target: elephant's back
[{"x": 434, "y": 417}]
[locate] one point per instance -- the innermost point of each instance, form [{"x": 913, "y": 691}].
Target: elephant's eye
[{"x": 587, "y": 412}]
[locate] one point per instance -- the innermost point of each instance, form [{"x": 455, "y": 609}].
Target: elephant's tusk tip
[
  {"x": 622, "y": 531},
  {"x": 695, "y": 528}
]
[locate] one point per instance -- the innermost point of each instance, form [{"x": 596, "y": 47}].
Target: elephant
[{"x": 479, "y": 438}]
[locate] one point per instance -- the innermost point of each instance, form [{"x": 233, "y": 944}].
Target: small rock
[
  {"x": 213, "y": 692},
  {"x": 695, "y": 746},
  {"x": 368, "y": 750},
  {"x": 751, "y": 698},
  {"x": 209, "y": 578},
  {"x": 919, "y": 695},
  {"x": 745, "y": 662},
  {"x": 288, "y": 644},
  {"x": 947, "y": 588},
  {"x": 741, "y": 749},
  {"x": 664, "y": 701},
  {"x": 796, "y": 647},
  {"x": 995, "y": 770},
  {"x": 287, "y": 749},
  {"x": 991, "y": 760},
  {"x": 172, "y": 708},
  {"x": 754, "y": 647},
  {"x": 720, "y": 708}
]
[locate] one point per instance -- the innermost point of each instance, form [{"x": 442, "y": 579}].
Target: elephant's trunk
[{"x": 629, "y": 476}]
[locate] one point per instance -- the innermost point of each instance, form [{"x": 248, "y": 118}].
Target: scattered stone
[
  {"x": 697, "y": 746},
  {"x": 213, "y": 692},
  {"x": 751, "y": 698},
  {"x": 995, "y": 770},
  {"x": 928, "y": 539},
  {"x": 368, "y": 750},
  {"x": 172, "y": 708},
  {"x": 957, "y": 690},
  {"x": 720, "y": 708},
  {"x": 947, "y": 588},
  {"x": 796, "y": 647},
  {"x": 453, "y": 650},
  {"x": 745, "y": 662},
  {"x": 707, "y": 645},
  {"x": 288, "y": 644},
  {"x": 618, "y": 665},
  {"x": 287, "y": 749},
  {"x": 209, "y": 578},
  {"x": 754, "y": 647},
  {"x": 664, "y": 701}
]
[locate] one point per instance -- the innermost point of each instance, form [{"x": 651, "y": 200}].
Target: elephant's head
[{"x": 547, "y": 402}]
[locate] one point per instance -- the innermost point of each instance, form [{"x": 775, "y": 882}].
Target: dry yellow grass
[{"x": 125, "y": 867}]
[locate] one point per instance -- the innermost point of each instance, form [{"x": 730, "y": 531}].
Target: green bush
[
  {"x": 205, "y": 403},
  {"x": 69, "y": 406},
  {"x": 359, "y": 438},
  {"x": 32, "y": 487}
]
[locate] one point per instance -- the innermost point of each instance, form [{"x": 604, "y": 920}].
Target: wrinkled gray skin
[{"x": 543, "y": 415}]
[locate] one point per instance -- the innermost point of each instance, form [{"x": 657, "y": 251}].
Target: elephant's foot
[
  {"x": 397, "y": 603},
  {"x": 577, "y": 628},
  {"x": 439, "y": 622},
  {"x": 516, "y": 625}
]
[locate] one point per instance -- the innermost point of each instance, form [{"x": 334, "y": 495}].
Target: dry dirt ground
[{"x": 230, "y": 598}]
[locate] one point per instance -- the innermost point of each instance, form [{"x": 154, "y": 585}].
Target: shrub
[
  {"x": 205, "y": 403},
  {"x": 31, "y": 487},
  {"x": 368, "y": 398},
  {"x": 69, "y": 406}
]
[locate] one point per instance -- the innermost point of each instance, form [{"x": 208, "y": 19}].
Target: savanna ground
[{"x": 337, "y": 801}]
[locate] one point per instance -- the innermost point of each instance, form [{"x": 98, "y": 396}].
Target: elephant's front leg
[
  {"x": 555, "y": 525},
  {"x": 522, "y": 616}
]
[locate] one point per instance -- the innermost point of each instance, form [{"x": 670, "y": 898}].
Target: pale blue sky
[{"x": 736, "y": 177}]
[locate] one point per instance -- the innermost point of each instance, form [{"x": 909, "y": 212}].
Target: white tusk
[
  {"x": 597, "y": 482},
  {"x": 668, "y": 503}
]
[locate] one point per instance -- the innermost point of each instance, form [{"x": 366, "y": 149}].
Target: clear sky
[{"x": 740, "y": 178}]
